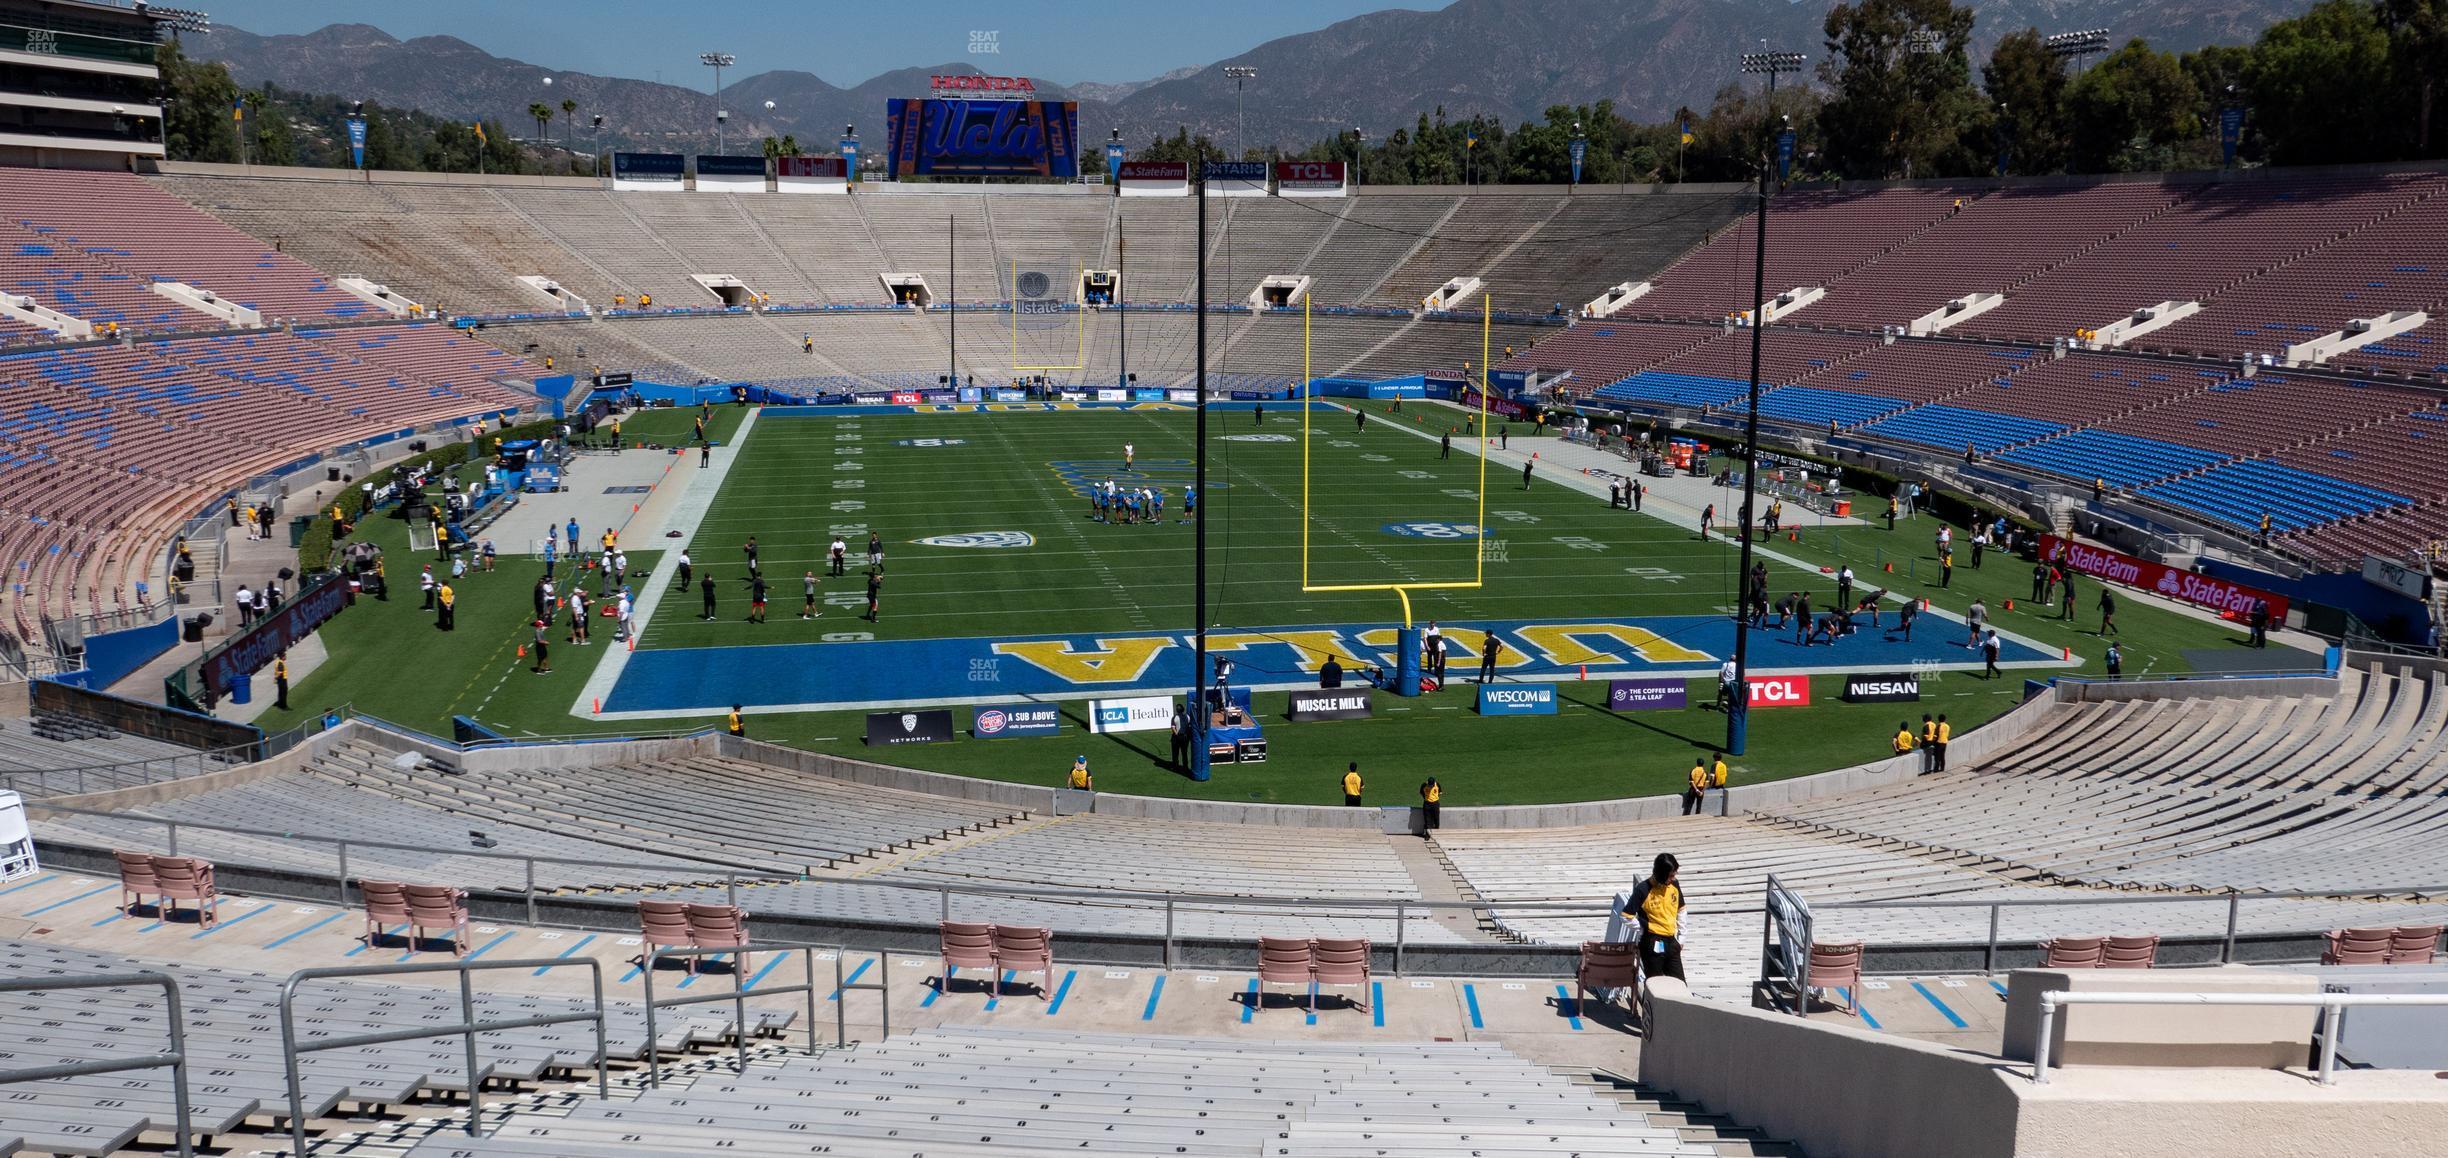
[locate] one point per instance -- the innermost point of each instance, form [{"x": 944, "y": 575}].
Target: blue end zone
[{"x": 812, "y": 676}]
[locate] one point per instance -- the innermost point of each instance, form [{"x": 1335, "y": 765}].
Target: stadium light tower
[
  {"x": 717, "y": 61},
  {"x": 1738, "y": 707},
  {"x": 1240, "y": 74},
  {"x": 1359, "y": 153},
  {"x": 2077, "y": 45}
]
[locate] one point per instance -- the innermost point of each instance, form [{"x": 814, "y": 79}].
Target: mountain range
[{"x": 1507, "y": 58}]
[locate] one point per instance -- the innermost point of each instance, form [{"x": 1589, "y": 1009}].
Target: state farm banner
[
  {"x": 1309, "y": 178},
  {"x": 1155, "y": 179},
  {"x": 2184, "y": 586},
  {"x": 1502, "y": 407}
]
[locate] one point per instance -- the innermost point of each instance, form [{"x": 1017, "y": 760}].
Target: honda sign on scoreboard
[
  {"x": 2183, "y": 586},
  {"x": 1780, "y": 691}
]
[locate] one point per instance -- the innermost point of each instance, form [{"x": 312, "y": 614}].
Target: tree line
[{"x": 1895, "y": 93}]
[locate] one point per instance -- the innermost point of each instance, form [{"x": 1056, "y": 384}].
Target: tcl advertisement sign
[
  {"x": 906, "y": 398},
  {"x": 1309, "y": 178},
  {"x": 2101, "y": 563},
  {"x": 1782, "y": 691}
]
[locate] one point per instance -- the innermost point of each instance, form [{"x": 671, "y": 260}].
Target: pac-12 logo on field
[
  {"x": 987, "y": 540},
  {"x": 931, "y": 442},
  {"x": 1435, "y": 530}
]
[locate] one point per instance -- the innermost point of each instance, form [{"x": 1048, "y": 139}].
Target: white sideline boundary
[{"x": 685, "y": 515}]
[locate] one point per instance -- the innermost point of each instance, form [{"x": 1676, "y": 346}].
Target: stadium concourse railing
[
  {"x": 548, "y": 907},
  {"x": 33, "y": 783},
  {"x": 175, "y": 1059}
]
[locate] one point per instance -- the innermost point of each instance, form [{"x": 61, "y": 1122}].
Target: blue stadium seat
[
  {"x": 2238, "y": 492},
  {"x": 2122, "y": 459},
  {"x": 1954, "y": 427}
]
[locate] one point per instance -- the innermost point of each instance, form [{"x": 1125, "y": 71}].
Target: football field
[{"x": 999, "y": 580}]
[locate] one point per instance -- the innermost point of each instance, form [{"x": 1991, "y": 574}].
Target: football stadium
[{"x": 1225, "y": 656}]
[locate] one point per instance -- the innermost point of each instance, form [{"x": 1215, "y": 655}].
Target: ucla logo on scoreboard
[
  {"x": 1435, "y": 530},
  {"x": 982, "y": 540}
]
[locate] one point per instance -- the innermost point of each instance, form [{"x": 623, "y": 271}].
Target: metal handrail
[
  {"x": 292, "y": 1053},
  {"x": 2333, "y": 1007},
  {"x": 738, "y": 996},
  {"x": 176, "y": 1059},
  {"x": 2235, "y": 902},
  {"x": 242, "y": 754}
]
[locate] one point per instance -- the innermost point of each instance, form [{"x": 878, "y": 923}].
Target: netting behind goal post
[{"x": 1049, "y": 330}]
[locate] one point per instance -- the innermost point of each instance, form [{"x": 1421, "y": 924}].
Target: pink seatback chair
[
  {"x": 2413, "y": 944},
  {"x": 187, "y": 878},
  {"x": 1340, "y": 961},
  {"x": 966, "y": 945},
  {"x": 720, "y": 927},
  {"x": 437, "y": 907},
  {"x": 1838, "y": 966},
  {"x": 1024, "y": 950},
  {"x": 2358, "y": 947},
  {"x": 1606, "y": 965},
  {"x": 386, "y": 902},
  {"x": 662, "y": 923},
  {"x": 2074, "y": 953},
  {"x": 136, "y": 879},
  {"x": 2130, "y": 953},
  {"x": 1281, "y": 960}
]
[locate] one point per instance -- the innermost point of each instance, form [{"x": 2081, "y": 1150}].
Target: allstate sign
[{"x": 1517, "y": 699}]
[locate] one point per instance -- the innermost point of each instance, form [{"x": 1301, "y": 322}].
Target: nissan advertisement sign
[
  {"x": 2183, "y": 586},
  {"x": 1893, "y": 687}
]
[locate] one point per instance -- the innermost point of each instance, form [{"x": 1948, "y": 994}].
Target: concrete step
[{"x": 1690, "y": 1121}]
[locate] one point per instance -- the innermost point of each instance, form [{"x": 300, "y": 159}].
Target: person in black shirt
[{"x": 705, "y": 584}]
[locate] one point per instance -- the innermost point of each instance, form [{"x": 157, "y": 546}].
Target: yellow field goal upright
[
  {"x": 1044, "y": 296},
  {"x": 1402, "y": 589}
]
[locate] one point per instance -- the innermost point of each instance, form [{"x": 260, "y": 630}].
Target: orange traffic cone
[
  {"x": 1891, "y": 568},
  {"x": 2069, "y": 654},
  {"x": 522, "y": 651},
  {"x": 599, "y": 705},
  {"x": 2010, "y": 605},
  {"x": 1585, "y": 672}
]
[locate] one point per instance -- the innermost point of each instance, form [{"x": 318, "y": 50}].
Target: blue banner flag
[
  {"x": 2231, "y": 133},
  {"x": 850, "y": 158},
  {"x": 1579, "y": 147},
  {"x": 1785, "y": 152},
  {"x": 357, "y": 139},
  {"x": 1113, "y": 161}
]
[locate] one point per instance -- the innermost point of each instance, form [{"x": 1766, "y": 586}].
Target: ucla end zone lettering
[
  {"x": 877, "y": 673},
  {"x": 1517, "y": 699}
]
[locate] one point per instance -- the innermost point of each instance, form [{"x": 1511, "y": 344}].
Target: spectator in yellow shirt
[
  {"x": 1697, "y": 789},
  {"x": 1658, "y": 907},
  {"x": 1080, "y": 779},
  {"x": 1903, "y": 737},
  {"x": 1351, "y": 786},
  {"x": 1432, "y": 797}
]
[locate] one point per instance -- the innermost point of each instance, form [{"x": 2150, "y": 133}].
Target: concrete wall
[
  {"x": 1841, "y": 1092},
  {"x": 2260, "y": 1036}
]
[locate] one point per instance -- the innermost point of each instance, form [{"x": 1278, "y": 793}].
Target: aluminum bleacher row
[
  {"x": 238, "y": 1075},
  {"x": 960, "y": 1092},
  {"x": 2263, "y": 795}
]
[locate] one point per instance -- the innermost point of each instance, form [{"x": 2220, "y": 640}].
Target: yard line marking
[
  {"x": 1951, "y": 1016},
  {"x": 488, "y": 946},
  {"x": 771, "y": 960},
  {"x": 1155, "y": 994},
  {"x": 288, "y": 937},
  {"x": 219, "y": 925},
  {"x": 1377, "y": 1003},
  {"x": 44, "y": 880},
  {"x": 565, "y": 955},
  {"x": 1569, "y": 1007},
  {"x": 1251, "y": 1010},
  {"x": 1470, "y": 995},
  {"x": 72, "y": 900}
]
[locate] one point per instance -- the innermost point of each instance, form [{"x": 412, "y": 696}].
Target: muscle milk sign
[{"x": 2217, "y": 594}]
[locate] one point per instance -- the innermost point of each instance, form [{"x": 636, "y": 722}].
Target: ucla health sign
[
  {"x": 1517, "y": 699},
  {"x": 983, "y": 138}
]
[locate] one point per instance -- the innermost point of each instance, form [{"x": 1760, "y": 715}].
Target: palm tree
[
  {"x": 790, "y": 145},
  {"x": 543, "y": 115},
  {"x": 569, "y": 123}
]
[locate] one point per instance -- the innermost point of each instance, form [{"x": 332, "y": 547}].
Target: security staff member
[
  {"x": 1946, "y": 735},
  {"x": 1717, "y": 773},
  {"x": 1351, "y": 786},
  {"x": 1929, "y": 743},
  {"x": 280, "y": 682},
  {"x": 736, "y": 724},
  {"x": 1697, "y": 788},
  {"x": 1181, "y": 736},
  {"x": 1657, "y": 905},
  {"x": 1903, "y": 738},
  {"x": 1432, "y": 798}
]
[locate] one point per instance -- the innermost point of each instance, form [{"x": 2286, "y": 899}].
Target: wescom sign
[{"x": 1781, "y": 691}]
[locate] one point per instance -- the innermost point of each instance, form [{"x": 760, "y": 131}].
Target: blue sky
[{"x": 843, "y": 41}]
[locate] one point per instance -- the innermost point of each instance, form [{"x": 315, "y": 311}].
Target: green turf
[{"x": 1085, "y": 576}]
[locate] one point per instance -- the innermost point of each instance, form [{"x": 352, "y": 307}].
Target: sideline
[{"x": 685, "y": 514}]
